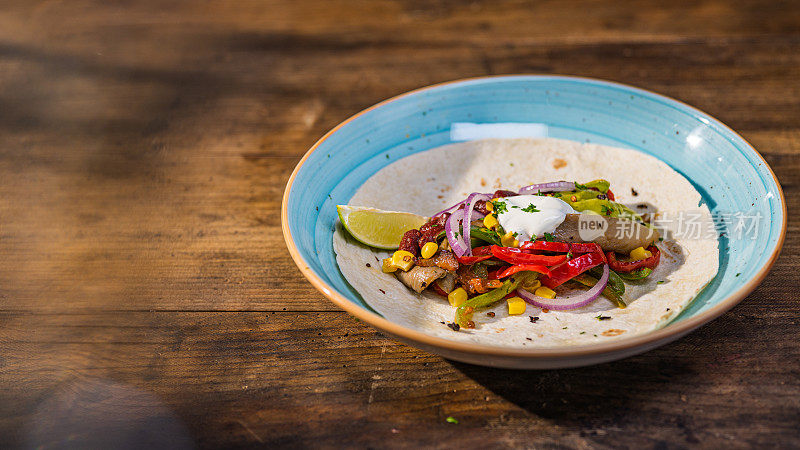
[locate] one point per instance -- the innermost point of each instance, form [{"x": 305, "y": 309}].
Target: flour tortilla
[{"x": 430, "y": 181}]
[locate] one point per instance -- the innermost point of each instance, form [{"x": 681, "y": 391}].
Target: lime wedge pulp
[{"x": 377, "y": 228}]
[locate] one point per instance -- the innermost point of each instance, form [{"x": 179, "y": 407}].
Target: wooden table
[{"x": 145, "y": 290}]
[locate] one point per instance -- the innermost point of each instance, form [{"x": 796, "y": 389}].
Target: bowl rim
[{"x": 410, "y": 335}]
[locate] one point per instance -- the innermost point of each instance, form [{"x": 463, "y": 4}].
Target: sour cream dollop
[{"x": 519, "y": 217}]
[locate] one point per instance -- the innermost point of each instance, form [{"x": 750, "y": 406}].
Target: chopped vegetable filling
[{"x": 522, "y": 246}]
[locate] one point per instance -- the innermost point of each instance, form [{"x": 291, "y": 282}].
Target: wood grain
[
  {"x": 321, "y": 378},
  {"x": 145, "y": 286}
]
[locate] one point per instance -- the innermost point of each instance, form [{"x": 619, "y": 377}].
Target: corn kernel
[
  {"x": 429, "y": 250},
  {"x": 387, "y": 266},
  {"x": 508, "y": 240},
  {"x": 489, "y": 206},
  {"x": 516, "y": 306},
  {"x": 490, "y": 221},
  {"x": 403, "y": 260},
  {"x": 545, "y": 292},
  {"x": 457, "y": 297},
  {"x": 532, "y": 286},
  {"x": 639, "y": 253}
]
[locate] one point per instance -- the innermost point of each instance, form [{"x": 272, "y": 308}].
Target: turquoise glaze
[{"x": 724, "y": 168}]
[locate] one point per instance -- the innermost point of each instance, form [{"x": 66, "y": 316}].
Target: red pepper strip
[
  {"x": 630, "y": 266},
  {"x": 479, "y": 254},
  {"x": 561, "y": 247},
  {"x": 523, "y": 267},
  {"x": 571, "y": 269},
  {"x": 469, "y": 260},
  {"x": 480, "y": 251},
  {"x": 576, "y": 249},
  {"x": 585, "y": 247},
  {"x": 511, "y": 294},
  {"x": 588, "y": 247},
  {"x": 516, "y": 256},
  {"x": 493, "y": 275}
]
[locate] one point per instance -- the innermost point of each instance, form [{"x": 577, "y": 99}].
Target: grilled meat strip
[
  {"x": 418, "y": 278},
  {"x": 444, "y": 259},
  {"x": 619, "y": 235}
]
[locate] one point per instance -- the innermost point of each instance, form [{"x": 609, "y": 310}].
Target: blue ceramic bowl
[{"x": 729, "y": 173}]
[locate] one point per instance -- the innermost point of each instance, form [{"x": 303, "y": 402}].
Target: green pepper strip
[
  {"x": 608, "y": 292},
  {"x": 463, "y": 318},
  {"x": 601, "y": 185},
  {"x": 614, "y": 280},
  {"x": 484, "y": 234},
  {"x": 639, "y": 274}
]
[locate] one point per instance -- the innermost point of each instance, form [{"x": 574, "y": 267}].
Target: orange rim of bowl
[{"x": 676, "y": 329}]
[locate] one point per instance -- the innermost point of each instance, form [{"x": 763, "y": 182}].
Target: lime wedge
[{"x": 377, "y": 228}]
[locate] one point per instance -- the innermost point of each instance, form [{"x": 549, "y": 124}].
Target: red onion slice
[
  {"x": 563, "y": 304},
  {"x": 556, "y": 186},
  {"x": 467, "y": 221},
  {"x": 454, "y": 207},
  {"x": 450, "y": 228}
]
